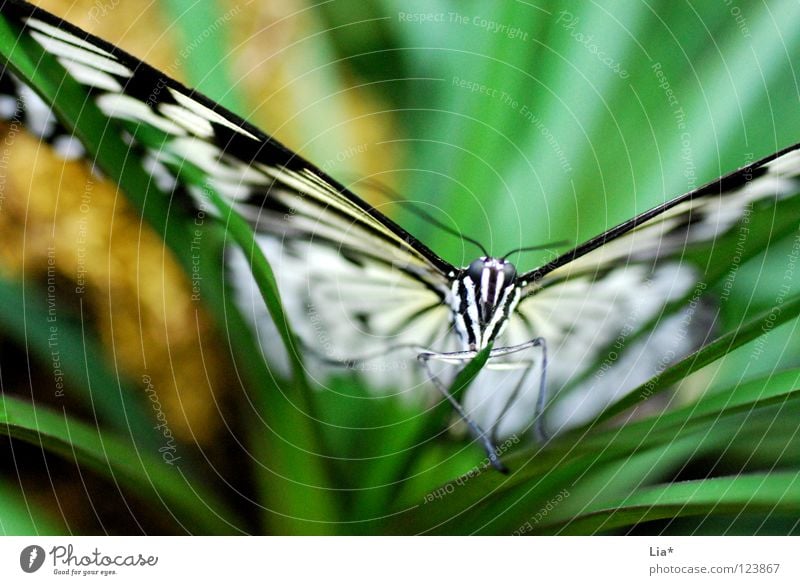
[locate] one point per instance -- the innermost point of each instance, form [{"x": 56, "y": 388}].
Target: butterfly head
[{"x": 484, "y": 295}]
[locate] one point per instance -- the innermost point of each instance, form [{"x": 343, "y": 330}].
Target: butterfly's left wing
[
  {"x": 590, "y": 303},
  {"x": 346, "y": 271}
]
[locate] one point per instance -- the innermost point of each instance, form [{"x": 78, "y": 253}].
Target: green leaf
[
  {"x": 145, "y": 475},
  {"x": 65, "y": 348},
  {"x": 770, "y": 494},
  {"x": 468, "y": 373},
  {"x": 539, "y": 474},
  {"x": 755, "y": 327}
]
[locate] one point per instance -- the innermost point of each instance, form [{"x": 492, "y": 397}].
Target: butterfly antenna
[
  {"x": 556, "y": 244},
  {"x": 424, "y": 215}
]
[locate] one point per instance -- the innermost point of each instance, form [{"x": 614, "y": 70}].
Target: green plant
[{"x": 553, "y": 115}]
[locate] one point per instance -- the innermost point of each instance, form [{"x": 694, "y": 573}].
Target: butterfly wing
[
  {"x": 592, "y": 303},
  {"x": 337, "y": 257}
]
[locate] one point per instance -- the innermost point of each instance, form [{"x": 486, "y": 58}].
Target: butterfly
[{"x": 363, "y": 293}]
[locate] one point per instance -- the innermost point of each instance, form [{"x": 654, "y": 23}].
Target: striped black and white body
[
  {"x": 359, "y": 289},
  {"x": 482, "y": 299}
]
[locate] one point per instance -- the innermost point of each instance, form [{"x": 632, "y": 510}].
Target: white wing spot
[
  {"x": 8, "y": 107},
  {"x": 208, "y": 113},
  {"x": 68, "y": 147},
  {"x": 62, "y": 49},
  {"x": 195, "y": 124},
  {"x": 64, "y": 36},
  {"x": 162, "y": 177},
  {"x": 39, "y": 118},
  {"x": 126, "y": 107},
  {"x": 90, "y": 76}
]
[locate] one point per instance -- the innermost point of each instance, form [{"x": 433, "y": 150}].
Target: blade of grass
[
  {"x": 755, "y": 327},
  {"x": 293, "y": 417},
  {"x": 190, "y": 503},
  {"x": 101, "y": 137},
  {"x": 390, "y": 472},
  {"x": 73, "y": 349},
  {"x": 772, "y": 494},
  {"x": 598, "y": 479},
  {"x": 241, "y": 233},
  {"x": 468, "y": 373},
  {"x": 541, "y": 473},
  {"x": 293, "y": 491},
  {"x": 748, "y": 398},
  {"x": 632, "y": 462}
]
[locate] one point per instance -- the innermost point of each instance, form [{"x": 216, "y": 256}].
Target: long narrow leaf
[
  {"x": 754, "y": 328},
  {"x": 770, "y": 493},
  {"x": 142, "y": 474},
  {"x": 102, "y": 390}
]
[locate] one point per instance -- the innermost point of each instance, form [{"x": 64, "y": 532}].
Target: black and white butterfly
[{"x": 360, "y": 290}]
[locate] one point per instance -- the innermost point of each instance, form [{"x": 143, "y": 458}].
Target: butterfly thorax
[{"x": 483, "y": 296}]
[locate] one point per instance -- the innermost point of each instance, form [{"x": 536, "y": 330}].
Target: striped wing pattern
[
  {"x": 258, "y": 175},
  {"x": 337, "y": 245}
]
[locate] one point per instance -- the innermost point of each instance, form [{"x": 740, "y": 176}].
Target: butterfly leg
[
  {"x": 541, "y": 398},
  {"x": 479, "y": 433}
]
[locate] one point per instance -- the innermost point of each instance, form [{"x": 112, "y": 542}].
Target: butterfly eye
[
  {"x": 475, "y": 269},
  {"x": 509, "y": 272}
]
